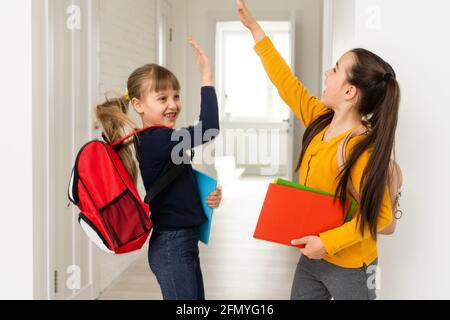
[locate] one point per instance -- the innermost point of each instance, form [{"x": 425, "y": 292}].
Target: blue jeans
[{"x": 174, "y": 259}]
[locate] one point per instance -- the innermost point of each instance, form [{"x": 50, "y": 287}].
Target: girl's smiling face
[
  {"x": 159, "y": 108},
  {"x": 337, "y": 89}
]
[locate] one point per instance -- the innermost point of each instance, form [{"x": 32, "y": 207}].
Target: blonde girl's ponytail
[{"x": 113, "y": 117}]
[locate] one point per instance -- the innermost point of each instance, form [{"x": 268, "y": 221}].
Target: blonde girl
[{"x": 154, "y": 92}]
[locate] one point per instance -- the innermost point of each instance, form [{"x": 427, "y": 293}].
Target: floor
[{"x": 234, "y": 265}]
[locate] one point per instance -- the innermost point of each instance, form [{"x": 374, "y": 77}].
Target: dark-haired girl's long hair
[{"x": 378, "y": 103}]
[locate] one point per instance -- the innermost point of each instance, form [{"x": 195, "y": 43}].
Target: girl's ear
[
  {"x": 137, "y": 105},
  {"x": 351, "y": 92}
]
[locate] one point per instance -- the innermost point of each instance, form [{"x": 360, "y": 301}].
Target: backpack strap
[
  {"x": 395, "y": 172},
  {"x": 341, "y": 157},
  {"x": 396, "y": 182},
  {"x": 164, "y": 181},
  {"x": 134, "y": 133},
  {"x": 167, "y": 178}
]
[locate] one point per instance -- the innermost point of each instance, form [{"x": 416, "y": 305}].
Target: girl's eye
[
  {"x": 334, "y": 70},
  {"x": 162, "y": 99},
  {"x": 177, "y": 97}
]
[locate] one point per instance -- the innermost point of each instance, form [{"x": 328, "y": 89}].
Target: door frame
[
  {"x": 327, "y": 38},
  {"x": 164, "y": 40},
  {"x": 41, "y": 219}
]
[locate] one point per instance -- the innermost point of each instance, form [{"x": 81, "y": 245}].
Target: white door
[
  {"x": 250, "y": 105},
  {"x": 71, "y": 88}
]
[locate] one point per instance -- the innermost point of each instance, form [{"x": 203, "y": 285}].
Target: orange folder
[{"x": 290, "y": 213}]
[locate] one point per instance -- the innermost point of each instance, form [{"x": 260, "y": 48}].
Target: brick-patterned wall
[{"x": 127, "y": 39}]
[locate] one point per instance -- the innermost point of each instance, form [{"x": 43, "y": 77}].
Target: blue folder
[{"x": 206, "y": 185}]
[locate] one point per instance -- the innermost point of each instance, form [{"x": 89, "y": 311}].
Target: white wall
[
  {"x": 198, "y": 20},
  {"x": 16, "y": 228},
  {"x": 127, "y": 41},
  {"x": 413, "y": 37}
]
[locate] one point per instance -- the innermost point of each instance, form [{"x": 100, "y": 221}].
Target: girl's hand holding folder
[
  {"x": 215, "y": 198},
  {"x": 314, "y": 248}
]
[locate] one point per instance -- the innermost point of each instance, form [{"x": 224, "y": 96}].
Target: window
[{"x": 245, "y": 91}]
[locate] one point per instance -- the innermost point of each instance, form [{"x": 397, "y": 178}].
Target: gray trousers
[{"x": 321, "y": 280}]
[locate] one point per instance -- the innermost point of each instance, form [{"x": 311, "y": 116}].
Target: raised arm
[
  {"x": 203, "y": 63},
  {"x": 250, "y": 22},
  {"x": 209, "y": 109},
  {"x": 291, "y": 90},
  {"x": 176, "y": 142}
]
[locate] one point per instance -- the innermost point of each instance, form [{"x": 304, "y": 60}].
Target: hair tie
[
  {"x": 387, "y": 76},
  {"x": 126, "y": 96}
]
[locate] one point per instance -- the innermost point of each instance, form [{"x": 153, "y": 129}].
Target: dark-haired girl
[{"x": 361, "y": 92}]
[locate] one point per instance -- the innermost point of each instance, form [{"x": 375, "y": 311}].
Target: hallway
[
  {"x": 63, "y": 58},
  {"x": 235, "y": 266}
]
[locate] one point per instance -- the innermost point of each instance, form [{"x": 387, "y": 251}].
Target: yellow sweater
[{"x": 345, "y": 246}]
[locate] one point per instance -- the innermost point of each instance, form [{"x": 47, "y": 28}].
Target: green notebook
[{"x": 299, "y": 186}]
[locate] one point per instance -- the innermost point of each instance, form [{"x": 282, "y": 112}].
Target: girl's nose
[{"x": 171, "y": 103}]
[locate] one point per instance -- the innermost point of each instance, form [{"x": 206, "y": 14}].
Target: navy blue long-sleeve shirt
[{"x": 178, "y": 205}]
